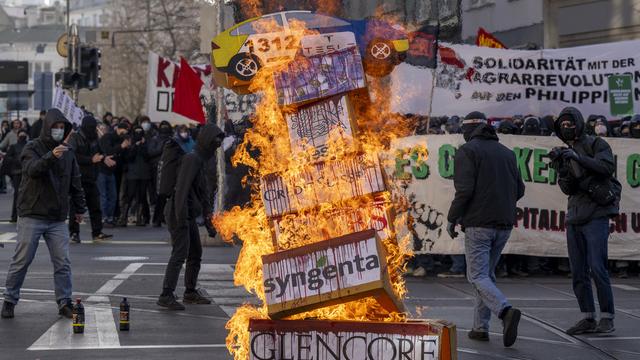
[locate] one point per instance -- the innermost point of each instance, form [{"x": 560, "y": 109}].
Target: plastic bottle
[
  {"x": 78, "y": 317},
  {"x": 124, "y": 315}
]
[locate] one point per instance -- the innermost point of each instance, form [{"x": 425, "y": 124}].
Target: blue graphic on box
[{"x": 315, "y": 77}]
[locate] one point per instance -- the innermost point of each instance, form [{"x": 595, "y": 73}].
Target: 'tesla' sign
[{"x": 330, "y": 340}]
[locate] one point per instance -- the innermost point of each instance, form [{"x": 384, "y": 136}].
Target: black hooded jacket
[
  {"x": 191, "y": 192},
  {"x": 85, "y": 145},
  {"x": 596, "y": 158},
  {"x": 137, "y": 157},
  {"x": 49, "y": 183},
  {"x": 487, "y": 181}
]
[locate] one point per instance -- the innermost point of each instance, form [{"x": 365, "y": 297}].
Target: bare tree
[{"x": 167, "y": 27}]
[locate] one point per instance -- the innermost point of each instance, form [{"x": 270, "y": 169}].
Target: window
[
  {"x": 37, "y": 67},
  {"x": 47, "y": 67},
  {"x": 263, "y": 25},
  {"x": 315, "y": 21}
]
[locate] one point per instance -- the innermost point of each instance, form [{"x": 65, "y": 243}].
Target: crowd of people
[
  {"x": 453, "y": 266},
  {"x": 118, "y": 160}
]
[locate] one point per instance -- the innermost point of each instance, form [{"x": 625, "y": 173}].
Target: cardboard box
[
  {"x": 330, "y": 340},
  {"x": 325, "y": 273},
  {"x": 315, "y": 77},
  {"x": 324, "y": 182},
  {"x": 310, "y": 126},
  {"x": 375, "y": 213}
]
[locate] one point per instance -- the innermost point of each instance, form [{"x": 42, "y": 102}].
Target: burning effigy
[{"x": 319, "y": 242}]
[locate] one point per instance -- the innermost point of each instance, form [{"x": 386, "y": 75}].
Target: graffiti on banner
[
  {"x": 502, "y": 82},
  {"x": 239, "y": 106},
  {"x": 162, "y": 74},
  {"x": 427, "y": 182}
]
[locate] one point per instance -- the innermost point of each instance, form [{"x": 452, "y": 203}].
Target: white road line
[
  {"x": 6, "y": 237},
  {"x": 229, "y": 310},
  {"x": 99, "y": 333},
  {"x": 612, "y": 338},
  {"x": 111, "y": 285},
  {"x": 625, "y": 287}
]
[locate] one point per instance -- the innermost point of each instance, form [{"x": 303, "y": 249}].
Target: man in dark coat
[
  {"x": 165, "y": 133},
  {"x": 112, "y": 145},
  {"x": 585, "y": 168},
  {"x": 488, "y": 185},
  {"x": 137, "y": 178},
  {"x": 14, "y": 168},
  {"x": 36, "y": 128},
  {"x": 89, "y": 156},
  {"x": 183, "y": 207},
  {"x": 50, "y": 181}
]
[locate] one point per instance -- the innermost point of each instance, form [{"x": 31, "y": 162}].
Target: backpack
[
  {"x": 603, "y": 191},
  {"x": 168, "y": 167}
]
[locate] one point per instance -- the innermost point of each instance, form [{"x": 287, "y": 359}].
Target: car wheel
[
  {"x": 380, "y": 57},
  {"x": 244, "y": 66}
]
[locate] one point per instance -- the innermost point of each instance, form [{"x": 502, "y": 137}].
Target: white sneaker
[{"x": 419, "y": 272}]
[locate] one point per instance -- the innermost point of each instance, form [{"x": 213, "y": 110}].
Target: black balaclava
[
  {"x": 89, "y": 127},
  {"x": 165, "y": 128},
  {"x": 531, "y": 126},
  {"x": 471, "y": 122},
  {"x": 23, "y": 136},
  {"x": 138, "y": 133},
  {"x": 634, "y": 127}
]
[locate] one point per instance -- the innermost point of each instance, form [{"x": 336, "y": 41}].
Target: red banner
[{"x": 486, "y": 39}]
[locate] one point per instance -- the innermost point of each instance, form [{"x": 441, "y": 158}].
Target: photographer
[{"x": 585, "y": 172}]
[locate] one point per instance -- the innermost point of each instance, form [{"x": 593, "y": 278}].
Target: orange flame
[{"x": 266, "y": 150}]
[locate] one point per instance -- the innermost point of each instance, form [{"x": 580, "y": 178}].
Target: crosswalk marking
[
  {"x": 8, "y": 236},
  {"x": 625, "y": 287},
  {"x": 100, "y": 332}
]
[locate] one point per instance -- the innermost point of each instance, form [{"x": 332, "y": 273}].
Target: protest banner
[
  {"x": 324, "y": 340},
  {"x": 503, "y": 83},
  {"x": 67, "y": 106},
  {"x": 162, "y": 74},
  {"x": 427, "y": 182},
  {"x": 329, "y": 272}
]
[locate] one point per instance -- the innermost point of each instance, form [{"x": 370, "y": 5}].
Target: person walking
[
  {"x": 585, "y": 172},
  {"x": 36, "y": 128},
  {"x": 486, "y": 177},
  {"x": 189, "y": 198},
  {"x": 50, "y": 181},
  {"x": 89, "y": 156}
]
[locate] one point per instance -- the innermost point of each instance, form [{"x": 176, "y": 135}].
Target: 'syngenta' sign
[
  {"x": 325, "y": 273},
  {"x": 314, "y": 125},
  {"x": 325, "y": 182},
  {"x": 330, "y": 340}
]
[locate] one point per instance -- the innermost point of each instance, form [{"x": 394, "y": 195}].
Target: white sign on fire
[{"x": 325, "y": 182}]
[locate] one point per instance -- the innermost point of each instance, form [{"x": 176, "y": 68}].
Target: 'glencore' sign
[
  {"x": 329, "y": 272},
  {"x": 350, "y": 340}
]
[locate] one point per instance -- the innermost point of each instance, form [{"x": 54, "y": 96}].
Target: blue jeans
[
  {"x": 108, "y": 194},
  {"x": 588, "y": 254},
  {"x": 457, "y": 264},
  {"x": 483, "y": 247},
  {"x": 56, "y": 235}
]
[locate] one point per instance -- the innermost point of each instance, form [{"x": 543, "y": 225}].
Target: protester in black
[
  {"x": 531, "y": 126},
  {"x": 13, "y": 168},
  {"x": 486, "y": 177},
  {"x": 165, "y": 133},
  {"x": 585, "y": 172},
  {"x": 190, "y": 194},
  {"x": 89, "y": 156},
  {"x": 138, "y": 174},
  {"x": 112, "y": 145},
  {"x": 634, "y": 127},
  {"x": 36, "y": 128}
]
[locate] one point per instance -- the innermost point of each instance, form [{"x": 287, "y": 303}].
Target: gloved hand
[
  {"x": 570, "y": 154},
  {"x": 451, "y": 230}
]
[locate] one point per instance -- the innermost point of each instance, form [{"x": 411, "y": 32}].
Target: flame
[{"x": 266, "y": 150}]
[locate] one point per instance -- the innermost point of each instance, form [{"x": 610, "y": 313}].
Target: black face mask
[
  {"x": 165, "y": 130},
  {"x": 635, "y": 133},
  {"x": 467, "y": 131},
  {"x": 22, "y": 139},
  {"x": 568, "y": 133},
  {"x": 137, "y": 135}
]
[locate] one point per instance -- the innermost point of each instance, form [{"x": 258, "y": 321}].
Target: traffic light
[{"x": 89, "y": 68}]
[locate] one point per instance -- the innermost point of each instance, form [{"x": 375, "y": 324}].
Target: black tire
[
  {"x": 380, "y": 58},
  {"x": 244, "y": 66}
]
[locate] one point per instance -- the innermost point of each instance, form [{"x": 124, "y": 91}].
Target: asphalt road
[{"x": 132, "y": 265}]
